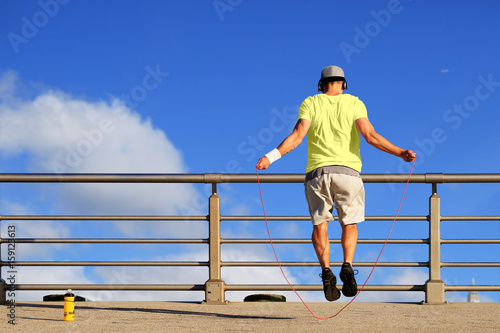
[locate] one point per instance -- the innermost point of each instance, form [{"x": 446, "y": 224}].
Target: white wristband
[{"x": 273, "y": 155}]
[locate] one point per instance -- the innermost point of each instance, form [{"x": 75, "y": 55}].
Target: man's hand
[
  {"x": 263, "y": 163},
  {"x": 408, "y": 156}
]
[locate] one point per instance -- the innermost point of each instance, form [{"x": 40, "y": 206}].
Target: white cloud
[
  {"x": 32, "y": 229},
  {"x": 42, "y": 275},
  {"x": 191, "y": 275},
  {"x": 239, "y": 209},
  {"x": 252, "y": 275},
  {"x": 8, "y": 83},
  {"x": 290, "y": 229},
  {"x": 406, "y": 276},
  {"x": 57, "y": 133},
  {"x": 62, "y": 134}
]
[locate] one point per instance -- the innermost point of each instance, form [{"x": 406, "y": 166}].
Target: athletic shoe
[
  {"x": 330, "y": 285},
  {"x": 350, "y": 287}
]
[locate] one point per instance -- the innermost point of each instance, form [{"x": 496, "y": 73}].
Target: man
[{"x": 333, "y": 121}]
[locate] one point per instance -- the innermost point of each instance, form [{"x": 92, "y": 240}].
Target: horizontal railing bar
[
  {"x": 104, "y": 240},
  {"x": 184, "y": 218},
  {"x": 470, "y": 218},
  {"x": 100, "y": 178},
  {"x": 308, "y": 218},
  {"x": 103, "y": 263},
  {"x": 103, "y": 218},
  {"x": 470, "y": 241},
  {"x": 238, "y": 287},
  {"x": 400, "y": 218},
  {"x": 225, "y": 218},
  {"x": 269, "y": 218},
  {"x": 472, "y": 288},
  {"x": 314, "y": 287},
  {"x": 203, "y": 263},
  {"x": 470, "y": 264},
  {"x": 77, "y": 287},
  {"x": 235, "y": 178},
  {"x": 230, "y": 264},
  {"x": 308, "y": 241},
  {"x": 228, "y": 287},
  {"x": 236, "y": 241},
  {"x": 463, "y": 178},
  {"x": 202, "y": 241},
  {"x": 312, "y": 264}
]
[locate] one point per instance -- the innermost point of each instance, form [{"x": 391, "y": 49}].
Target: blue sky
[{"x": 210, "y": 86}]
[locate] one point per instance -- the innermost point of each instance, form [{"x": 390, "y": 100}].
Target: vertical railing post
[
  {"x": 3, "y": 292},
  {"x": 215, "y": 286},
  {"x": 434, "y": 287}
]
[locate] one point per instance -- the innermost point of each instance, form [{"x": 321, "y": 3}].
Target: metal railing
[{"x": 215, "y": 287}]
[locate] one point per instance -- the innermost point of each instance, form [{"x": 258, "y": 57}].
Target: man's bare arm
[
  {"x": 378, "y": 141},
  {"x": 290, "y": 143},
  {"x": 293, "y": 140}
]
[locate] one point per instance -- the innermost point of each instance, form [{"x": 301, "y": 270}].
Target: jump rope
[{"x": 369, "y": 275}]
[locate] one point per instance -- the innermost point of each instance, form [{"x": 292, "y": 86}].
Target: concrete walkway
[{"x": 252, "y": 317}]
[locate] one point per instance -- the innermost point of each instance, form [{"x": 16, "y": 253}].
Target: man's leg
[
  {"x": 349, "y": 240},
  {"x": 321, "y": 244}
]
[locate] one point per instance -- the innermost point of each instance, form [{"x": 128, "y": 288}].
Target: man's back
[{"x": 332, "y": 138}]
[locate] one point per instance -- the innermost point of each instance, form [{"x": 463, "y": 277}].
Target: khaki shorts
[{"x": 347, "y": 192}]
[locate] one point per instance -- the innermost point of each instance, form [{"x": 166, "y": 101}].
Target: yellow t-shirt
[{"x": 333, "y": 138}]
